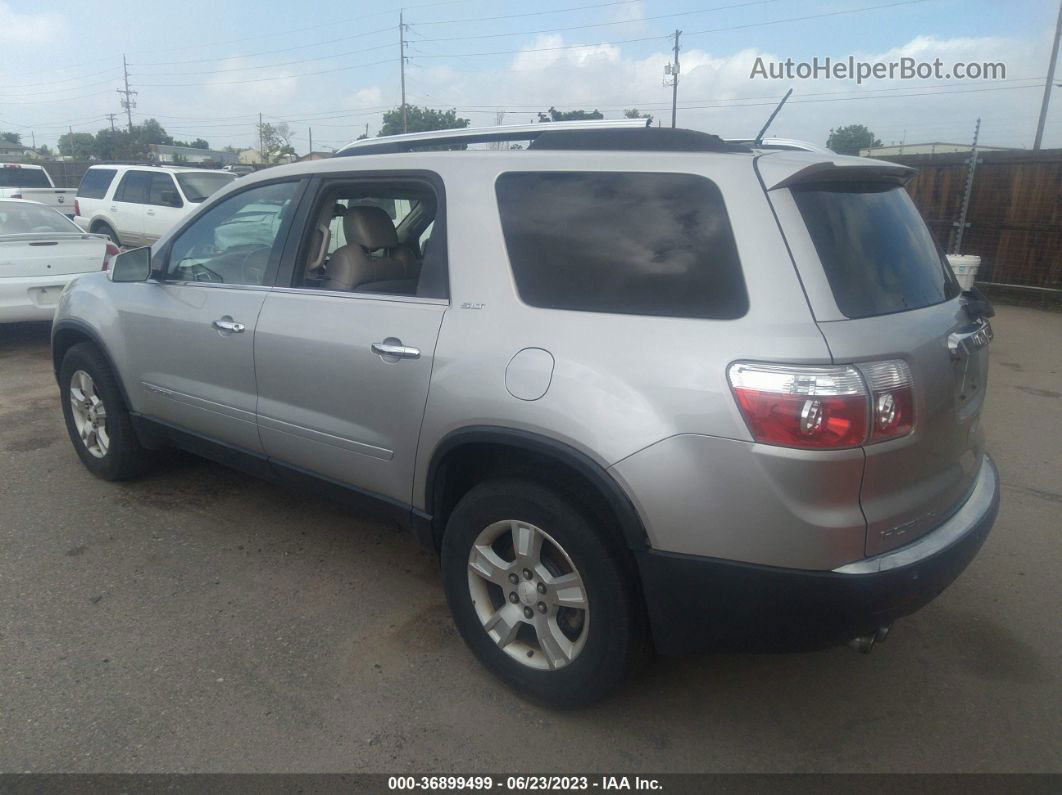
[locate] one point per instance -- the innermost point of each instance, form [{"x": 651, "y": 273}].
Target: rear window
[
  {"x": 626, "y": 243},
  {"x": 23, "y": 178},
  {"x": 197, "y": 186},
  {"x": 23, "y": 218},
  {"x": 134, "y": 187},
  {"x": 875, "y": 248},
  {"x": 95, "y": 183}
]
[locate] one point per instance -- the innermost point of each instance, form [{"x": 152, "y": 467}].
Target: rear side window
[
  {"x": 626, "y": 243},
  {"x": 134, "y": 187},
  {"x": 15, "y": 177},
  {"x": 875, "y": 248},
  {"x": 95, "y": 183}
]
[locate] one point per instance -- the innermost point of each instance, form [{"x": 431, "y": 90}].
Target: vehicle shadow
[{"x": 17, "y": 337}]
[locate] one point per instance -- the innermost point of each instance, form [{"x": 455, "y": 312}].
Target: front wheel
[
  {"x": 97, "y": 418},
  {"x": 105, "y": 229},
  {"x": 543, "y": 598}
]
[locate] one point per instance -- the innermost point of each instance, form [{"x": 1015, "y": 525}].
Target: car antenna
[{"x": 760, "y": 134}]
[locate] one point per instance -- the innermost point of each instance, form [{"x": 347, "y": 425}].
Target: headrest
[{"x": 370, "y": 227}]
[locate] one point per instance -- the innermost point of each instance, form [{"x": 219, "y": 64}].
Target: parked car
[
  {"x": 135, "y": 205},
  {"x": 33, "y": 183},
  {"x": 41, "y": 251},
  {"x": 633, "y": 385}
]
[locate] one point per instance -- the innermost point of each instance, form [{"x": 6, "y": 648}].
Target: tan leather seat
[{"x": 351, "y": 267}]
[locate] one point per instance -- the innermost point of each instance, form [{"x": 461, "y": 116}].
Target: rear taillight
[
  {"x": 892, "y": 399},
  {"x": 823, "y": 407},
  {"x": 112, "y": 252},
  {"x": 77, "y": 208}
]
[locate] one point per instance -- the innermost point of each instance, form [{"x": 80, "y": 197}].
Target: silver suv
[{"x": 638, "y": 387}]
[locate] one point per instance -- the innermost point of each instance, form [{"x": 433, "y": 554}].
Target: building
[
  {"x": 12, "y": 152},
  {"x": 313, "y": 156},
  {"x": 250, "y": 157},
  {"x": 163, "y": 153},
  {"x": 934, "y": 148}
]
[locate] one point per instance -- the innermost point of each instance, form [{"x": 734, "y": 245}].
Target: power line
[
  {"x": 271, "y": 65},
  {"x": 266, "y": 79},
  {"x": 609, "y": 24},
  {"x": 529, "y": 13}
]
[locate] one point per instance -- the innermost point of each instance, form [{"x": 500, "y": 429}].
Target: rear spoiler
[{"x": 784, "y": 170}]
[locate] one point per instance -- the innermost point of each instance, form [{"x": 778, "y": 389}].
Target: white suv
[{"x": 136, "y": 205}]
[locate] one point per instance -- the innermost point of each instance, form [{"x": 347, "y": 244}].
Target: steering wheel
[{"x": 253, "y": 265}]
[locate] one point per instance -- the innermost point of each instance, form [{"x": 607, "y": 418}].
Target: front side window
[
  {"x": 875, "y": 248},
  {"x": 197, "y": 185},
  {"x": 626, "y": 243},
  {"x": 95, "y": 183},
  {"x": 235, "y": 242}
]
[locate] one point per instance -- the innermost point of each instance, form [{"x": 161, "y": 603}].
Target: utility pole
[
  {"x": 1050, "y": 80},
  {"x": 111, "y": 117},
  {"x": 311, "y": 141},
  {"x": 261, "y": 143},
  {"x": 967, "y": 191},
  {"x": 402, "y": 64},
  {"x": 128, "y": 103},
  {"x": 671, "y": 70}
]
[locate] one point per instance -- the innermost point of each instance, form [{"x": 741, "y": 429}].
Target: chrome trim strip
[
  {"x": 342, "y": 442},
  {"x": 215, "y": 285},
  {"x": 200, "y": 403},
  {"x": 963, "y": 521},
  {"x": 405, "y": 299}
]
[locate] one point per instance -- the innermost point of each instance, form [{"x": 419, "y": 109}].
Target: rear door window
[
  {"x": 134, "y": 187},
  {"x": 163, "y": 192},
  {"x": 626, "y": 243},
  {"x": 877, "y": 253},
  {"x": 95, "y": 183}
]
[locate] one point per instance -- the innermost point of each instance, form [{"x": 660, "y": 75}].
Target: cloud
[
  {"x": 240, "y": 80},
  {"x": 28, "y": 30}
]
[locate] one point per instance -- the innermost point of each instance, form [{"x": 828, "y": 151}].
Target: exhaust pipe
[{"x": 864, "y": 644}]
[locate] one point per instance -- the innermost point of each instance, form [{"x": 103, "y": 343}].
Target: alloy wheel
[{"x": 90, "y": 414}]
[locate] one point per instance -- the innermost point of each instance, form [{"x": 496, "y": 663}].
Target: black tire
[
  {"x": 105, "y": 229},
  {"x": 124, "y": 458},
  {"x": 616, "y": 641}
]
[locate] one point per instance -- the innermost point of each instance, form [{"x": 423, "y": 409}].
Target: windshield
[
  {"x": 23, "y": 178},
  {"x": 197, "y": 185},
  {"x": 21, "y": 218},
  {"x": 875, "y": 248}
]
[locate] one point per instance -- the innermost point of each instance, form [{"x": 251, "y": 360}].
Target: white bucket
[{"x": 965, "y": 268}]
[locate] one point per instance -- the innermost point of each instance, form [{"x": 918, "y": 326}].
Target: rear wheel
[
  {"x": 540, "y": 595},
  {"x": 97, "y": 418},
  {"x": 105, "y": 229}
]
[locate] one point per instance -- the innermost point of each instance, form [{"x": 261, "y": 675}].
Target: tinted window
[
  {"x": 875, "y": 248},
  {"x": 95, "y": 183},
  {"x": 236, "y": 241},
  {"x": 163, "y": 191},
  {"x": 15, "y": 177},
  {"x": 643, "y": 244},
  {"x": 134, "y": 187},
  {"x": 19, "y": 218},
  {"x": 197, "y": 186}
]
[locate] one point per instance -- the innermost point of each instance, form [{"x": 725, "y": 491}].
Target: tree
[
  {"x": 570, "y": 115},
  {"x": 421, "y": 120},
  {"x": 11, "y": 137},
  {"x": 849, "y": 140},
  {"x": 276, "y": 141},
  {"x": 78, "y": 146},
  {"x": 634, "y": 113},
  {"x": 44, "y": 151},
  {"x": 198, "y": 143}
]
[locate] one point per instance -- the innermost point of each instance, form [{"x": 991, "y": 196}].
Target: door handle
[
  {"x": 150, "y": 212},
  {"x": 392, "y": 349},
  {"x": 229, "y": 325}
]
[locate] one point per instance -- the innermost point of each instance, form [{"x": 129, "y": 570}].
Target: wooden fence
[{"x": 1015, "y": 214}]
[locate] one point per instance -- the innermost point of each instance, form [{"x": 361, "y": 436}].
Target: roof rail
[{"x": 407, "y": 142}]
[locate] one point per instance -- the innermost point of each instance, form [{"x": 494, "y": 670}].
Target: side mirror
[
  {"x": 132, "y": 266},
  {"x": 170, "y": 198}
]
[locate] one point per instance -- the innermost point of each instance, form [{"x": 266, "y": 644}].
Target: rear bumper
[
  {"x": 31, "y": 297},
  {"x": 698, "y": 603}
]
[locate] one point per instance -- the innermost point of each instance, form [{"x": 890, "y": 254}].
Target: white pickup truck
[{"x": 33, "y": 183}]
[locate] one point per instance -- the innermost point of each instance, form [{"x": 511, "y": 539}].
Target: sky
[{"x": 207, "y": 69}]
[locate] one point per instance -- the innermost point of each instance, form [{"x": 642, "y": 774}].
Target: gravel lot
[{"x": 201, "y": 620}]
